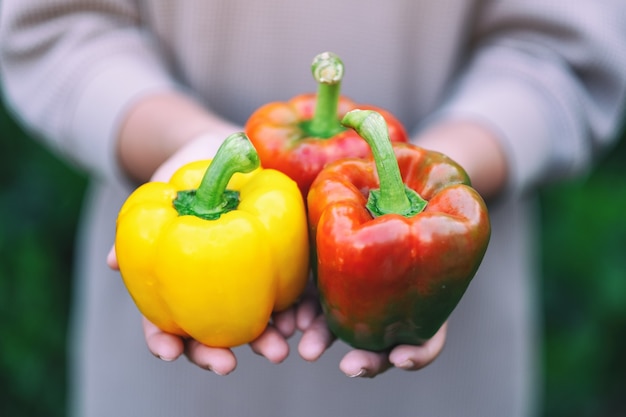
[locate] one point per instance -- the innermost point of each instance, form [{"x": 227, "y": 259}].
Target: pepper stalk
[
  {"x": 327, "y": 69},
  {"x": 211, "y": 199},
  {"x": 393, "y": 196}
]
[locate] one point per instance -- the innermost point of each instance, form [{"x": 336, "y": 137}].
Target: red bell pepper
[
  {"x": 300, "y": 136},
  {"x": 398, "y": 237}
]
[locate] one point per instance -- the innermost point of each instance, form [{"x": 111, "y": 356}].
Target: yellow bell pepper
[{"x": 214, "y": 252}]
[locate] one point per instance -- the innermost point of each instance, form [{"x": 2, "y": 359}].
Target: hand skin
[
  {"x": 159, "y": 126},
  {"x": 475, "y": 147},
  {"x": 163, "y": 132}
]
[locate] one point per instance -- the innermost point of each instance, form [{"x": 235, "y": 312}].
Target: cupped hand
[
  {"x": 272, "y": 343},
  {"x": 203, "y": 147},
  {"x": 317, "y": 338},
  {"x": 362, "y": 363}
]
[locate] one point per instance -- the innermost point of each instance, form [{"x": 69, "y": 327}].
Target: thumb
[{"x": 112, "y": 259}]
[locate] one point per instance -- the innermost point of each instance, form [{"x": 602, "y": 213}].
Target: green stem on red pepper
[
  {"x": 328, "y": 71},
  {"x": 212, "y": 199},
  {"x": 393, "y": 196}
]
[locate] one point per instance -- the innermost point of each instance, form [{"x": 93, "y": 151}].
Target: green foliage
[
  {"x": 39, "y": 204},
  {"x": 584, "y": 292}
]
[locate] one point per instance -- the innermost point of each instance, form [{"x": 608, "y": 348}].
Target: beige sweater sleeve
[
  {"x": 550, "y": 81},
  {"x": 72, "y": 68}
]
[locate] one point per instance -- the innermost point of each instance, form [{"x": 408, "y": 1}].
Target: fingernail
[
  {"x": 407, "y": 364},
  {"x": 210, "y": 368},
  {"x": 361, "y": 373},
  {"x": 165, "y": 358}
]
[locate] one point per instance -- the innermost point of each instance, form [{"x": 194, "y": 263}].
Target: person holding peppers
[{"x": 517, "y": 93}]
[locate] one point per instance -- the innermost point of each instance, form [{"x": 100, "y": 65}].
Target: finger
[
  {"x": 315, "y": 340},
  {"x": 285, "y": 322},
  {"x": 220, "y": 361},
  {"x": 112, "y": 259},
  {"x": 272, "y": 345},
  {"x": 308, "y": 308},
  {"x": 165, "y": 346},
  {"x": 364, "y": 364},
  {"x": 412, "y": 358}
]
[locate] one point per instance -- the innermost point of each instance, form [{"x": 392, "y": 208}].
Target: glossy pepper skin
[
  {"x": 215, "y": 272},
  {"x": 300, "y": 136},
  {"x": 390, "y": 273}
]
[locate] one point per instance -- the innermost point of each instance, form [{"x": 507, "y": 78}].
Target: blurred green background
[{"x": 584, "y": 283}]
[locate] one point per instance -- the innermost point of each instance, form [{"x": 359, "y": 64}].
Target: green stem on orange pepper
[
  {"x": 212, "y": 199},
  {"x": 393, "y": 196},
  {"x": 328, "y": 71}
]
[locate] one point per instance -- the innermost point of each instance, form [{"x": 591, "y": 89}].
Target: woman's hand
[
  {"x": 316, "y": 338},
  {"x": 272, "y": 343}
]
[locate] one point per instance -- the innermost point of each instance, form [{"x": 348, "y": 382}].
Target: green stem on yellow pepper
[
  {"x": 328, "y": 71},
  {"x": 393, "y": 196},
  {"x": 212, "y": 199}
]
